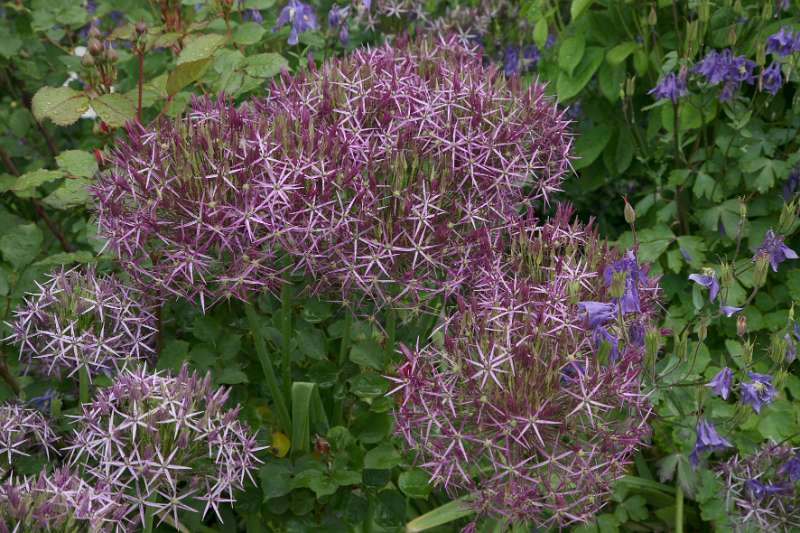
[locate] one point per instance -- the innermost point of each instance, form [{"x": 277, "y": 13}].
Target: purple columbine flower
[
  {"x": 728, "y": 69},
  {"x": 301, "y": 17},
  {"x": 758, "y": 392},
  {"x": 597, "y": 313},
  {"x": 629, "y": 302},
  {"x": 721, "y": 383},
  {"x": 550, "y": 41},
  {"x": 601, "y": 335},
  {"x": 670, "y": 87},
  {"x": 707, "y": 279},
  {"x": 791, "y": 468},
  {"x": 791, "y": 185},
  {"x": 778, "y": 252},
  {"x": 337, "y": 15},
  {"x": 511, "y": 60},
  {"x": 253, "y": 15},
  {"x": 729, "y": 310},
  {"x": 771, "y": 78},
  {"x": 530, "y": 56},
  {"x": 781, "y": 43},
  {"x": 792, "y": 339},
  {"x": 708, "y": 440}
]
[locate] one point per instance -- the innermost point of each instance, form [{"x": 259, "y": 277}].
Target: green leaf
[
  {"x": 185, "y": 74},
  {"x": 66, "y": 258},
  {"x": 307, "y": 409},
  {"x": 620, "y": 53},
  {"x": 265, "y": 65},
  {"x": 540, "y": 32},
  {"x": 368, "y": 353},
  {"x": 72, "y": 193},
  {"x": 623, "y": 155},
  {"x": 610, "y": 80},
  {"x": 449, "y": 512},
  {"x": 203, "y": 47},
  {"x": 114, "y": 109},
  {"x": 77, "y": 163},
  {"x": 578, "y": 7},
  {"x": 344, "y": 478},
  {"x": 25, "y": 185},
  {"x": 571, "y": 53},
  {"x": 415, "y": 483},
  {"x": 248, "y": 33},
  {"x": 382, "y": 457},
  {"x": 312, "y": 343},
  {"x": 231, "y": 375},
  {"x": 172, "y": 355},
  {"x": 62, "y": 105},
  {"x": 778, "y": 422},
  {"x": 22, "y": 244},
  {"x": 590, "y": 145},
  {"x": 569, "y": 86},
  {"x": 654, "y": 242},
  {"x": 275, "y": 478}
]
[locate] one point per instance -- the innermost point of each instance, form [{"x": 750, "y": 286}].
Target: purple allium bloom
[
  {"x": 791, "y": 468},
  {"x": 78, "y": 320},
  {"x": 708, "y": 440},
  {"x": 629, "y": 302},
  {"x": 315, "y": 170},
  {"x": 707, "y": 279},
  {"x": 729, "y": 310},
  {"x": 60, "y": 501},
  {"x": 253, "y": 15},
  {"x": 771, "y": 78},
  {"x": 511, "y": 60},
  {"x": 597, "y": 313},
  {"x": 721, "y": 383},
  {"x": 23, "y": 432},
  {"x": 670, "y": 87},
  {"x": 781, "y": 43},
  {"x": 758, "y": 392},
  {"x": 759, "y": 489},
  {"x": 513, "y": 407},
  {"x": 778, "y": 252},
  {"x": 301, "y": 16},
  {"x": 151, "y": 434}
]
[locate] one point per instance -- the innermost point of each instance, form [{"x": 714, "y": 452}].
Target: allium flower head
[
  {"x": 80, "y": 320},
  {"x": 58, "y": 503},
  {"x": 758, "y": 392},
  {"x": 165, "y": 443},
  {"x": 760, "y": 493},
  {"x": 23, "y": 432},
  {"x": 514, "y": 406},
  {"x": 778, "y": 252}
]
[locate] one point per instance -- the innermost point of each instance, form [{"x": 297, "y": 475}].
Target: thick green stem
[
  {"x": 678, "y": 509},
  {"x": 83, "y": 383},
  {"x": 148, "y": 520},
  {"x": 344, "y": 350},
  {"x": 278, "y": 397},
  {"x": 391, "y": 332},
  {"x": 286, "y": 336}
]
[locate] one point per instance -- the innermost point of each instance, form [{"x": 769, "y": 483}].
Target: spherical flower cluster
[
  {"x": 80, "y": 320},
  {"x": 532, "y": 404},
  {"x": 22, "y": 432},
  {"x": 760, "y": 489},
  {"x": 374, "y": 172},
  {"x": 165, "y": 444},
  {"x": 58, "y": 503}
]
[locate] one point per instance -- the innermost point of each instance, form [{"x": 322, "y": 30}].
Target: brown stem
[
  {"x": 7, "y": 376},
  {"x": 51, "y": 145}
]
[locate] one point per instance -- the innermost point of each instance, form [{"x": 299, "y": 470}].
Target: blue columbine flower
[
  {"x": 771, "y": 78},
  {"x": 629, "y": 303},
  {"x": 721, "y": 383},
  {"x": 707, "y": 279},
  {"x": 530, "y": 56},
  {"x": 729, "y": 310},
  {"x": 792, "y": 182},
  {"x": 511, "y": 60},
  {"x": 774, "y": 247},
  {"x": 708, "y": 440},
  {"x": 601, "y": 335},
  {"x": 791, "y": 468},
  {"x": 337, "y": 15},
  {"x": 781, "y": 43},
  {"x": 759, "y": 391},
  {"x": 728, "y": 69},
  {"x": 597, "y": 313},
  {"x": 301, "y": 16},
  {"x": 670, "y": 87},
  {"x": 253, "y": 15}
]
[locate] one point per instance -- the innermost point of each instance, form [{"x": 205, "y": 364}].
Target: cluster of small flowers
[
  {"x": 163, "y": 444},
  {"x": 79, "y": 320},
  {"x": 760, "y": 489},
  {"x": 23, "y": 431},
  {"x": 58, "y": 503},
  {"x": 517, "y": 406},
  {"x": 375, "y": 172}
]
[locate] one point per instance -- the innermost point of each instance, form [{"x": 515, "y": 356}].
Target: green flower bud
[
  {"x": 747, "y": 352},
  {"x": 629, "y": 212},
  {"x": 761, "y": 269},
  {"x": 702, "y": 329},
  {"x": 788, "y": 217},
  {"x": 777, "y": 349},
  {"x": 726, "y": 274},
  {"x": 618, "y": 284},
  {"x": 652, "y": 18}
]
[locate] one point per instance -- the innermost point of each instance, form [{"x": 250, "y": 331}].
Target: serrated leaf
[
  {"x": 62, "y": 105},
  {"x": 185, "y": 74},
  {"x": 72, "y": 193},
  {"x": 114, "y": 109},
  {"x": 203, "y": 47},
  {"x": 25, "y": 185},
  {"x": 21, "y": 245},
  {"x": 77, "y": 163},
  {"x": 265, "y": 65}
]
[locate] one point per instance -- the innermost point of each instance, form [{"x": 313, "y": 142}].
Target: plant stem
[
  {"x": 678, "y": 509},
  {"x": 391, "y": 331},
  {"x": 83, "y": 384},
  {"x": 275, "y": 390},
  {"x": 140, "y": 53},
  {"x": 286, "y": 336},
  {"x": 148, "y": 520},
  {"x": 344, "y": 350}
]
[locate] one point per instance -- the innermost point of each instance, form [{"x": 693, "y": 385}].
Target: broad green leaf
[
  {"x": 620, "y": 53},
  {"x": 114, "y": 109},
  {"x": 571, "y": 53},
  {"x": 248, "y": 33},
  {"x": 540, "y": 32},
  {"x": 623, "y": 155},
  {"x": 231, "y": 375},
  {"x": 9, "y": 46},
  {"x": 265, "y": 65},
  {"x": 449, "y": 512},
  {"x": 368, "y": 353},
  {"x": 185, "y": 74},
  {"x": 415, "y": 483},
  {"x": 569, "y": 86},
  {"x": 21, "y": 245},
  {"x": 307, "y": 410},
  {"x": 578, "y": 7},
  {"x": 203, "y": 47},
  {"x": 382, "y": 457},
  {"x": 73, "y": 192},
  {"x": 653, "y": 242},
  {"x": 590, "y": 145},
  {"x": 610, "y": 80},
  {"x": 25, "y": 185},
  {"x": 275, "y": 478},
  {"x": 62, "y": 105},
  {"x": 66, "y": 258},
  {"x": 77, "y": 163}
]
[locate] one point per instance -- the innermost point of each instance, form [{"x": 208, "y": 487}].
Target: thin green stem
[
  {"x": 275, "y": 390},
  {"x": 344, "y": 350},
  {"x": 286, "y": 336},
  {"x": 391, "y": 331},
  {"x": 83, "y": 383},
  {"x": 678, "y": 509},
  {"x": 148, "y": 520}
]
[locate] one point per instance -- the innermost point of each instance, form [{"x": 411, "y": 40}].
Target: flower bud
[
  {"x": 141, "y": 28},
  {"x": 788, "y": 217},
  {"x": 777, "y": 349},
  {"x": 618, "y": 284},
  {"x": 630, "y": 88},
  {"x": 702, "y": 329},
  {"x": 726, "y": 274},
  {"x": 652, "y": 345},
  {"x": 747, "y": 352},
  {"x": 742, "y": 208},
  {"x": 87, "y": 60},
  {"x": 779, "y": 379},
  {"x": 741, "y": 325},
  {"x": 95, "y": 46},
  {"x": 732, "y": 36},
  {"x": 692, "y": 29},
  {"x": 629, "y": 211},
  {"x": 652, "y": 18},
  {"x": 112, "y": 55},
  {"x": 94, "y": 32},
  {"x": 761, "y": 269},
  {"x": 681, "y": 345}
]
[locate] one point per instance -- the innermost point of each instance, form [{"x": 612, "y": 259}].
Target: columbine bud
[
  {"x": 702, "y": 329},
  {"x": 94, "y": 32},
  {"x": 742, "y": 209},
  {"x": 732, "y": 36},
  {"x": 747, "y": 352},
  {"x": 777, "y": 349},
  {"x": 618, "y": 284},
  {"x": 630, "y": 212},
  {"x": 741, "y": 325},
  {"x": 652, "y": 345},
  {"x": 681, "y": 345},
  {"x": 141, "y": 27},
  {"x": 788, "y": 217},
  {"x": 691, "y": 36},
  {"x": 726, "y": 274},
  {"x": 779, "y": 379},
  {"x": 95, "y": 46},
  {"x": 761, "y": 269},
  {"x": 652, "y": 18},
  {"x": 630, "y": 88},
  {"x": 87, "y": 60},
  {"x": 112, "y": 55}
]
